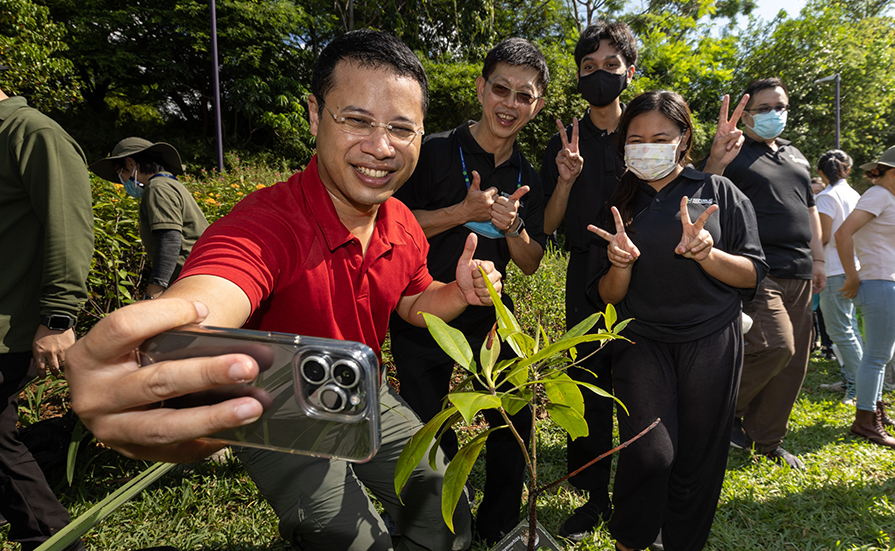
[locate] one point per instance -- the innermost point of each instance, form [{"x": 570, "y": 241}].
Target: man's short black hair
[
  {"x": 519, "y": 52},
  {"x": 757, "y": 86},
  {"x": 616, "y": 32},
  {"x": 369, "y": 49}
]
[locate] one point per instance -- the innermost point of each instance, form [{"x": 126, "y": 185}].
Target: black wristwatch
[{"x": 58, "y": 322}]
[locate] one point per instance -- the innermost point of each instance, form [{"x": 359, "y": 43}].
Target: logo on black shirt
[{"x": 698, "y": 201}]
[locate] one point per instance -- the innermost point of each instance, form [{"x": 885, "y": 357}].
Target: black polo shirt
[
  {"x": 438, "y": 182},
  {"x": 779, "y": 185},
  {"x": 603, "y": 167},
  {"x": 671, "y": 298}
]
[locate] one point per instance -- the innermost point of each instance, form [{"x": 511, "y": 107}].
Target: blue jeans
[
  {"x": 876, "y": 298},
  {"x": 842, "y": 326}
]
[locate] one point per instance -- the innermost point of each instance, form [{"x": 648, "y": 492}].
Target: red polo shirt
[{"x": 304, "y": 272}]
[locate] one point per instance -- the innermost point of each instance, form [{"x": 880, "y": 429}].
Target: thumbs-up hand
[
  {"x": 470, "y": 279},
  {"x": 477, "y": 203},
  {"x": 506, "y": 209}
]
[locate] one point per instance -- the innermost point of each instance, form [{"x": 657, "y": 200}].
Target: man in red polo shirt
[{"x": 329, "y": 254}]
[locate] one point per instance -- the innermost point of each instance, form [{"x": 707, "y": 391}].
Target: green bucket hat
[
  {"x": 128, "y": 147},
  {"x": 887, "y": 159}
]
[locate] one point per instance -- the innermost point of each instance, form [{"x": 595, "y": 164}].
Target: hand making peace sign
[
  {"x": 696, "y": 243},
  {"x": 569, "y": 161},
  {"x": 728, "y": 139},
  {"x": 621, "y": 250}
]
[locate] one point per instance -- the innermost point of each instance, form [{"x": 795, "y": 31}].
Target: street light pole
[
  {"x": 216, "y": 79},
  {"x": 835, "y": 79}
]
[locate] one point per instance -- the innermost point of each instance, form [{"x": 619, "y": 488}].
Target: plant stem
[{"x": 533, "y": 470}]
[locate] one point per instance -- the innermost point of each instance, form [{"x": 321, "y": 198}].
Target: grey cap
[
  {"x": 887, "y": 159},
  {"x": 128, "y": 147}
]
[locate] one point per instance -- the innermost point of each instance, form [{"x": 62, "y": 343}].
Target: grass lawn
[{"x": 844, "y": 500}]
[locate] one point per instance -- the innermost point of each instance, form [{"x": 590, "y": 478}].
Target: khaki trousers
[{"x": 776, "y": 359}]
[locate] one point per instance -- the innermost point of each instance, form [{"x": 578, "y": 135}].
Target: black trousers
[
  {"x": 597, "y": 410},
  {"x": 33, "y": 512},
  {"x": 424, "y": 372},
  {"x": 671, "y": 478}
]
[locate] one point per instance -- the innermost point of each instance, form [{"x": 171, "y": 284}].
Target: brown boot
[
  {"x": 882, "y": 415},
  {"x": 867, "y": 426}
]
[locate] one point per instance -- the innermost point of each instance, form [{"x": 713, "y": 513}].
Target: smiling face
[
  {"x": 362, "y": 172},
  {"x": 654, "y": 127},
  {"x": 503, "y": 118}
]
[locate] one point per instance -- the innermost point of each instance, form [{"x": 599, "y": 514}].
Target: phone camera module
[
  {"x": 331, "y": 398},
  {"x": 315, "y": 369},
  {"x": 346, "y": 373}
]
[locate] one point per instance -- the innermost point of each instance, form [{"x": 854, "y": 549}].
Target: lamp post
[
  {"x": 833, "y": 78},
  {"x": 217, "y": 86}
]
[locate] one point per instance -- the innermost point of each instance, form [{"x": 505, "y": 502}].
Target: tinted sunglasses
[{"x": 502, "y": 92}]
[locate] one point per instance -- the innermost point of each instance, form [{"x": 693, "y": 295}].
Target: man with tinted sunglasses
[{"x": 474, "y": 179}]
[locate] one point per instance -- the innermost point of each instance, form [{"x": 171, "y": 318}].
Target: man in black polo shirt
[
  {"x": 474, "y": 179},
  {"x": 580, "y": 172},
  {"x": 777, "y": 179}
]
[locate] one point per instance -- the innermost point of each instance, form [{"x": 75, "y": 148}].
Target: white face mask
[{"x": 651, "y": 161}]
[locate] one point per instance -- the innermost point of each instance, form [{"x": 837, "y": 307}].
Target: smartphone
[{"x": 320, "y": 396}]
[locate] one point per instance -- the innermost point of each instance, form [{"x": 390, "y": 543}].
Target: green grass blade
[{"x": 78, "y": 527}]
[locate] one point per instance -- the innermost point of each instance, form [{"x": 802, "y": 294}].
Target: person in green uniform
[
  {"x": 46, "y": 241},
  {"x": 170, "y": 219}
]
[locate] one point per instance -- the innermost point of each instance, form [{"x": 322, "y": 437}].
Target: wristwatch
[
  {"x": 518, "y": 230},
  {"x": 58, "y": 322}
]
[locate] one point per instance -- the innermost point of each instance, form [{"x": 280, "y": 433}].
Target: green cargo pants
[{"x": 321, "y": 503}]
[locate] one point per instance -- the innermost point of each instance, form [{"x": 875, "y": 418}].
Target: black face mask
[{"x": 600, "y": 88}]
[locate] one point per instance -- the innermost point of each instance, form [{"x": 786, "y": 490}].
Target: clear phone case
[{"x": 320, "y": 396}]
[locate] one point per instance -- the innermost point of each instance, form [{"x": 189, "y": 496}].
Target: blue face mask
[
  {"x": 485, "y": 229},
  {"x": 131, "y": 186},
  {"x": 769, "y": 125}
]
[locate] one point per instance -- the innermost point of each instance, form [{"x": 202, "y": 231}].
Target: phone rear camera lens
[
  {"x": 346, "y": 373},
  {"x": 332, "y": 398},
  {"x": 314, "y": 369}
]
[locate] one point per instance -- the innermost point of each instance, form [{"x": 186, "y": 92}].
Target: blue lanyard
[
  {"x": 466, "y": 175},
  {"x": 166, "y": 174}
]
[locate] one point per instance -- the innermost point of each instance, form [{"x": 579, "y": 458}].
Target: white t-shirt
[
  {"x": 837, "y": 202},
  {"x": 875, "y": 242}
]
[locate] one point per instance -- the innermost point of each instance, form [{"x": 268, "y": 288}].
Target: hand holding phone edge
[{"x": 117, "y": 400}]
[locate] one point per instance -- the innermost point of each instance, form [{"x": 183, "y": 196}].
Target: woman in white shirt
[
  {"x": 834, "y": 204},
  {"x": 870, "y": 230}
]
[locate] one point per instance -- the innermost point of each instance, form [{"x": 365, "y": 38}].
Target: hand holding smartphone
[{"x": 320, "y": 396}]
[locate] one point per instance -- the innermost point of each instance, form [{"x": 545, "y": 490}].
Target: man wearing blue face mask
[
  {"x": 777, "y": 179},
  {"x": 170, "y": 219}
]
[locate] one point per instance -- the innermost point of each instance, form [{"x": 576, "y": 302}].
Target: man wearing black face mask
[{"x": 576, "y": 191}]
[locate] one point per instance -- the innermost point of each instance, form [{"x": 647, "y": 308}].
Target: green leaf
[
  {"x": 77, "y": 435},
  {"x": 505, "y": 318},
  {"x": 457, "y": 473},
  {"x": 586, "y": 325},
  {"x": 416, "y": 447},
  {"x": 556, "y": 348},
  {"x": 470, "y": 403},
  {"x": 451, "y": 340},
  {"x": 489, "y": 353},
  {"x": 561, "y": 389},
  {"x": 78, "y": 527},
  {"x": 610, "y": 316},
  {"x": 569, "y": 419},
  {"x": 599, "y": 391},
  {"x": 512, "y": 404},
  {"x": 621, "y": 325}
]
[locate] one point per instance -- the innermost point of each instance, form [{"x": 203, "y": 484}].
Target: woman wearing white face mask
[{"x": 683, "y": 283}]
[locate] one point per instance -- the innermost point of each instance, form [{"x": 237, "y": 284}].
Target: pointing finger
[
  {"x": 562, "y": 134},
  {"x": 574, "y": 144},
  {"x": 722, "y": 116},
  {"x": 738, "y": 112},
  {"x": 685, "y": 212},
  {"x": 619, "y": 225},
  {"x": 703, "y": 218},
  {"x": 600, "y": 231}
]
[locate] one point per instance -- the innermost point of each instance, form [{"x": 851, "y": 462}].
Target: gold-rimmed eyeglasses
[{"x": 359, "y": 125}]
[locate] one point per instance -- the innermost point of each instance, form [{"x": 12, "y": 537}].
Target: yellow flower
[
  {"x": 234, "y": 186},
  {"x": 260, "y": 186}
]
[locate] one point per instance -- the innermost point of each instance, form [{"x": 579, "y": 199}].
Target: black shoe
[
  {"x": 585, "y": 519},
  {"x": 657, "y": 545},
  {"x": 783, "y": 458},
  {"x": 738, "y": 435}
]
